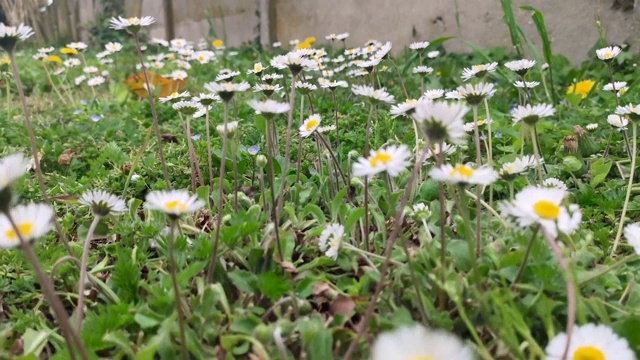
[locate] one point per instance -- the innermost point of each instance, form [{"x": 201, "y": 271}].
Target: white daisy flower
[
  {"x": 420, "y": 45},
  {"x": 206, "y": 99},
  {"x": 453, "y": 95},
  {"x": 101, "y": 55},
  {"x": 324, "y": 129},
  {"x": 383, "y": 50},
  {"x": 543, "y": 206},
  {"x": 520, "y": 67},
  {"x": 182, "y": 64},
  {"x": 95, "y": 81},
  {"x": 615, "y": 86},
  {"x": 422, "y": 70},
  {"x": 102, "y": 203},
  {"x": 158, "y": 41},
  {"x": 342, "y": 36},
  {"x": 332, "y": 84},
  {"x": 444, "y": 149},
  {"x": 433, "y": 54},
  {"x": 257, "y": 69},
  {"x": 531, "y": 114},
  {"x": 432, "y": 94},
  {"x": 590, "y": 342},
  {"x": 173, "y": 203},
  {"x": 310, "y": 125},
  {"x": 32, "y": 221},
  {"x": 79, "y": 80},
  {"x": 332, "y": 37},
  {"x": 527, "y": 84},
  {"x": 618, "y": 121},
  {"x": 226, "y": 76},
  {"x": 520, "y": 165},
  {"x": 295, "y": 60},
  {"x": 630, "y": 110},
  {"x": 113, "y": 47},
  {"x": 77, "y": 46},
  {"x": 71, "y": 62},
  {"x": 608, "y": 53},
  {"x": 294, "y": 42},
  {"x": 421, "y": 211},
  {"x": 405, "y": 108},
  {"x": 478, "y": 71},
  {"x": 12, "y": 167},
  {"x": 331, "y": 239},
  {"x": 231, "y": 128},
  {"x": 418, "y": 342},
  {"x": 368, "y": 64},
  {"x": 555, "y": 183},
  {"x": 380, "y": 95},
  {"x": 132, "y": 24},
  {"x": 10, "y": 35},
  {"x": 178, "y": 75},
  {"x": 268, "y": 107},
  {"x": 178, "y": 43},
  {"x": 58, "y": 71},
  {"x": 441, "y": 121},
  {"x": 174, "y": 96},
  {"x": 632, "y": 233},
  {"x": 474, "y": 94},
  {"x": 592, "y": 126},
  {"x": 90, "y": 70},
  {"x": 469, "y": 127},
  {"x": 157, "y": 65},
  {"x": 276, "y": 44},
  {"x": 392, "y": 159},
  {"x": 464, "y": 174},
  {"x": 269, "y": 78},
  {"x": 203, "y": 56},
  {"x": 187, "y": 107},
  {"x": 46, "y": 50},
  {"x": 305, "y": 87},
  {"x": 226, "y": 90}
]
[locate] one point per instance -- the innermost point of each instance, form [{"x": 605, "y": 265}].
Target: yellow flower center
[
  {"x": 622, "y": 91},
  {"x": 461, "y": 170},
  {"x": 200, "y": 58},
  {"x": 24, "y": 229},
  {"x": 335, "y": 241},
  {"x": 479, "y": 67},
  {"x": 170, "y": 205},
  {"x": 421, "y": 357},
  {"x": 257, "y": 68},
  {"x": 480, "y": 122},
  {"x": 510, "y": 168},
  {"x": 607, "y": 54},
  {"x": 311, "y": 124},
  {"x": 380, "y": 157},
  {"x": 217, "y": 43},
  {"x": 588, "y": 353},
  {"x": 546, "y": 209}
]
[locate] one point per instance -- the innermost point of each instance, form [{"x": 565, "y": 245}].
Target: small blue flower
[
  {"x": 196, "y": 136},
  {"x": 483, "y": 137},
  {"x": 498, "y": 135},
  {"x": 76, "y": 112},
  {"x": 95, "y": 117},
  {"x": 563, "y": 102},
  {"x": 253, "y": 149},
  {"x": 83, "y": 102}
]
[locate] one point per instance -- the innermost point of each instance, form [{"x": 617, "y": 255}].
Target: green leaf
[
  {"x": 147, "y": 352},
  {"x": 571, "y": 164},
  {"x": 35, "y": 341},
  {"x": 244, "y": 280},
  {"x": 134, "y": 204},
  {"x": 337, "y": 202},
  {"x": 599, "y": 170},
  {"x": 538, "y": 20},
  {"x": 120, "y": 341},
  {"x": 273, "y": 286},
  {"x": 510, "y": 20},
  {"x": 352, "y": 218}
]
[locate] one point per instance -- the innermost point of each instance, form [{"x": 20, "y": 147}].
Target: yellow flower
[
  {"x": 581, "y": 88},
  {"x": 69, "y": 51},
  {"x": 53, "y": 58},
  {"x": 5, "y": 60},
  {"x": 310, "y": 40},
  {"x": 217, "y": 43},
  {"x": 303, "y": 45}
]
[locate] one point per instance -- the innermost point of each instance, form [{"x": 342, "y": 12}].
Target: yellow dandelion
[
  {"x": 53, "y": 58},
  {"x": 303, "y": 45},
  {"x": 5, "y": 60},
  {"x": 310, "y": 40},
  {"x": 69, "y": 51},
  {"x": 217, "y": 43},
  {"x": 581, "y": 88}
]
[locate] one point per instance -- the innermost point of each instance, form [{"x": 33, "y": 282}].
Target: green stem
[
  {"x": 299, "y": 160},
  {"x": 536, "y": 152},
  {"x": 83, "y": 271},
  {"x": 634, "y": 127},
  {"x": 176, "y": 290},
  {"x": 136, "y": 160},
  {"x": 523, "y": 264}
]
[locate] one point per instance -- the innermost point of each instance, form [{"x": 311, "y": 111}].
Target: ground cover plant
[{"x": 161, "y": 199}]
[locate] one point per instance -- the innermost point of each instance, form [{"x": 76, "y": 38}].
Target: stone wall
[{"x": 570, "y": 22}]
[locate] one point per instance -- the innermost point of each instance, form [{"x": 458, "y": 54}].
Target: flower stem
[
  {"x": 34, "y": 151},
  {"x": 234, "y": 159},
  {"x": 274, "y": 206},
  {"x": 154, "y": 115},
  {"x": 335, "y": 117},
  {"x": 366, "y": 178},
  {"x": 287, "y": 146},
  {"x": 223, "y": 158},
  {"x": 525, "y": 259},
  {"x": 176, "y": 289},
  {"x": 83, "y": 272},
  {"x": 137, "y": 160},
  {"x": 536, "y": 152},
  {"x": 299, "y": 162},
  {"x": 399, "y": 220},
  {"x": 478, "y": 187},
  {"x": 333, "y": 157},
  {"x": 209, "y": 162},
  {"x": 71, "y": 337},
  {"x": 634, "y": 145},
  {"x": 443, "y": 239},
  {"x": 404, "y": 88}
]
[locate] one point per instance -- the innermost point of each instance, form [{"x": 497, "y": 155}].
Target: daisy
[
  {"x": 392, "y": 159},
  {"x": 158, "y": 41},
  {"x": 226, "y": 90},
  {"x": 520, "y": 67},
  {"x": 608, "y": 53},
  {"x": 173, "y": 203},
  {"x": 132, "y": 24},
  {"x": 187, "y": 107},
  {"x": 179, "y": 43},
  {"x": 632, "y": 111},
  {"x": 555, "y": 183},
  {"x": 79, "y": 80},
  {"x": 342, "y": 36},
  {"x": 444, "y": 149},
  {"x": 433, "y": 54},
  {"x": 178, "y": 75},
  {"x": 632, "y": 233},
  {"x": 421, "y": 45},
  {"x": 102, "y": 54},
  {"x": 509, "y": 170},
  {"x": 531, "y": 114},
  {"x": 527, "y": 84},
  {"x": 90, "y": 70},
  {"x": 592, "y": 127},
  {"x": 310, "y": 125},
  {"x": 231, "y": 128},
  {"x": 10, "y": 35},
  {"x": 464, "y": 174},
  {"x": 276, "y": 44},
  {"x": 80, "y": 46},
  {"x": 405, "y": 108},
  {"x": 295, "y": 60},
  {"x": 174, "y": 96},
  {"x": 474, "y": 94},
  {"x": 206, "y": 99},
  {"x": 331, "y": 239},
  {"x": 421, "y": 211},
  {"x": 12, "y": 167},
  {"x": 332, "y": 84},
  {"x": 441, "y": 121},
  {"x": 32, "y": 221},
  {"x": 102, "y": 203},
  {"x": 257, "y": 69},
  {"x": 369, "y": 64},
  {"x": 590, "y": 342},
  {"x": 203, "y": 56},
  {"x": 422, "y": 70},
  {"x": 269, "y": 78},
  {"x": 95, "y": 81},
  {"x": 324, "y": 129},
  {"x": 268, "y": 107},
  {"x": 418, "y": 342},
  {"x": 305, "y": 87},
  {"x": 543, "y": 206},
  {"x": 478, "y": 71},
  {"x": 46, "y": 50},
  {"x": 113, "y": 47},
  {"x": 267, "y": 89},
  {"x": 380, "y": 95},
  {"x": 618, "y": 121},
  {"x": 432, "y": 94},
  {"x": 615, "y": 86},
  {"x": 331, "y": 37},
  {"x": 383, "y": 51}
]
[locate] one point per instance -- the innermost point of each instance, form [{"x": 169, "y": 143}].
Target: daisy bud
[{"x": 261, "y": 160}]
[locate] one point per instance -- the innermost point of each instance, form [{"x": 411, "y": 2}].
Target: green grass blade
[
  {"x": 538, "y": 20},
  {"x": 510, "y": 20}
]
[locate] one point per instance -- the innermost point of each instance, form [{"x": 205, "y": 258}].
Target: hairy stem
[
  {"x": 83, "y": 271},
  {"x": 176, "y": 289},
  {"x": 634, "y": 145}
]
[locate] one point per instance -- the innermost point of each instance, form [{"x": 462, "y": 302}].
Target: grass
[{"x": 314, "y": 304}]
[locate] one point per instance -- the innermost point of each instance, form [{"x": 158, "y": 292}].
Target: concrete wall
[{"x": 570, "y": 22}]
